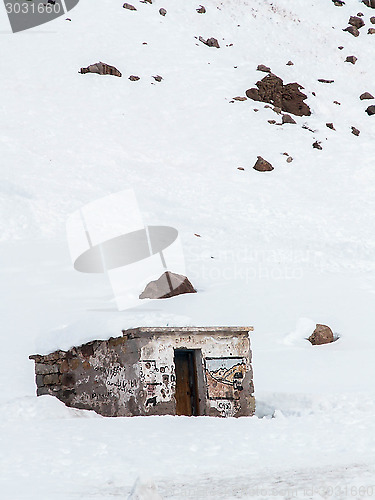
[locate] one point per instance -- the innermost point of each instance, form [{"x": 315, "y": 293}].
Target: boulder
[
  {"x": 157, "y": 78},
  {"x": 366, "y": 95},
  {"x": 201, "y": 10},
  {"x": 101, "y": 69},
  {"x": 128, "y": 6},
  {"x": 338, "y": 3},
  {"x": 317, "y": 145},
  {"x": 356, "y": 21},
  {"x": 321, "y": 335},
  {"x": 370, "y": 110},
  {"x": 369, "y": 3},
  {"x": 330, "y": 125},
  {"x": 162, "y": 12},
  {"x": 210, "y": 42},
  {"x": 290, "y": 63},
  {"x": 288, "y": 119},
  {"x": 265, "y": 69},
  {"x": 372, "y": 20},
  {"x": 352, "y": 30},
  {"x": 355, "y": 131},
  {"x": 168, "y": 285},
  {"x": 351, "y": 59},
  {"x": 371, "y": 31},
  {"x": 288, "y": 98},
  {"x": 262, "y": 165}
]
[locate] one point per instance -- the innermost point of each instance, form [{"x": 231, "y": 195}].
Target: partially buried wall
[{"x": 135, "y": 374}]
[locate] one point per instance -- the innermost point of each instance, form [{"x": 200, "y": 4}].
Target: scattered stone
[
  {"x": 366, "y": 95},
  {"x": 351, "y": 59},
  {"x": 158, "y": 78},
  {"x": 272, "y": 122},
  {"x": 356, "y": 21},
  {"x": 360, "y": 14},
  {"x": 290, "y": 63},
  {"x": 168, "y": 285},
  {"x": 338, "y": 3},
  {"x": 134, "y": 78},
  {"x": 262, "y": 165},
  {"x": 210, "y": 42},
  {"x": 285, "y": 154},
  {"x": 287, "y": 97},
  {"x": 201, "y": 10},
  {"x": 355, "y": 131},
  {"x": 240, "y": 168},
  {"x": 369, "y": 3},
  {"x": 330, "y": 125},
  {"x": 313, "y": 93},
  {"x": 68, "y": 19},
  {"x": 322, "y": 80},
  {"x": 306, "y": 127},
  {"x": 372, "y": 20},
  {"x": 337, "y": 102},
  {"x": 317, "y": 145},
  {"x": 340, "y": 47},
  {"x": 289, "y": 159},
  {"x": 370, "y": 110},
  {"x": 352, "y": 30},
  {"x": 371, "y": 31},
  {"x": 265, "y": 69},
  {"x": 256, "y": 110},
  {"x": 162, "y": 12},
  {"x": 321, "y": 335},
  {"x": 288, "y": 119},
  {"x": 101, "y": 68},
  {"x": 128, "y": 6},
  {"x": 240, "y": 98},
  {"x": 197, "y": 235}
]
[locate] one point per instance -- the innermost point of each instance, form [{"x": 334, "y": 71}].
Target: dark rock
[
  {"x": 371, "y": 31},
  {"x": 168, "y": 285},
  {"x": 323, "y": 80},
  {"x": 240, "y": 168},
  {"x": 162, "y": 12},
  {"x": 356, "y": 21},
  {"x": 128, "y": 6},
  {"x": 352, "y": 30},
  {"x": 351, "y": 59},
  {"x": 372, "y": 20},
  {"x": 370, "y": 110},
  {"x": 317, "y": 145},
  {"x": 262, "y": 165},
  {"x": 366, "y": 95},
  {"x": 355, "y": 131},
  {"x": 338, "y": 3},
  {"x": 337, "y": 102},
  {"x": 287, "y": 119},
  {"x": 265, "y": 69},
  {"x": 369, "y": 3},
  {"x": 52, "y": 379},
  {"x": 330, "y": 125},
  {"x": 43, "y": 391},
  {"x": 158, "y": 78},
  {"x": 321, "y": 335},
  {"x": 201, "y": 10},
  {"x": 272, "y": 122},
  {"x": 287, "y": 97},
  {"x": 46, "y": 368},
  {"x": 340, "y": 47},
  {"x": 290, "y": 63},
  {"x": 101, "y": 69},
  {"x": 212, "y": 42},
  {"x": 289, "y": 159},
  {"x": 360, "y": 14},
  {"x": 133, "y": 78},
  {"x": 240, "y": 98}
]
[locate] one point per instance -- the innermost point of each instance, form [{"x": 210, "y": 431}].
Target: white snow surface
[{"x": 280, "y": 250}]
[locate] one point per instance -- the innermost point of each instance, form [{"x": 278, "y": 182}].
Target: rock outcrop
[{"x": 288, "y": 98}]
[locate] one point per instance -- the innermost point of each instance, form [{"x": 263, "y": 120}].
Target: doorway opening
[{"x": 187, "y": 397}]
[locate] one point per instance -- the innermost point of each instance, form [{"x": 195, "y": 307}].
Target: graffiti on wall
[
  {"x": 158, "y": 381},
  {"x": 225, "y": 377}
]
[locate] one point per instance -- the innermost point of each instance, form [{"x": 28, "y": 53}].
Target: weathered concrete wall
[{"x": 135, "y": 374}]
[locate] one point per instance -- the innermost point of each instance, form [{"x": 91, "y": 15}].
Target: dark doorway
[{"x": 187, "y": 402}]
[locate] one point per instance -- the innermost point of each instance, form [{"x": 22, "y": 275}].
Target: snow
[{"x": 281, "y": 251}]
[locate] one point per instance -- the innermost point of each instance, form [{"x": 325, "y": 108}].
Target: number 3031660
[{"x": 32, "y": 8}]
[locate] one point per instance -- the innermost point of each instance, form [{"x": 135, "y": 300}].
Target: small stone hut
[{"x": 155, "y": 371}]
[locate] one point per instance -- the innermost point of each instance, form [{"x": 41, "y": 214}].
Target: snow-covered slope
[{"x": 280, "y": 250}]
